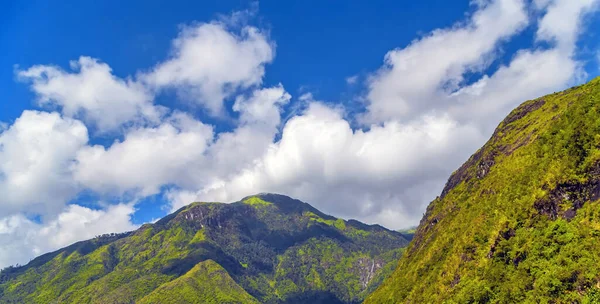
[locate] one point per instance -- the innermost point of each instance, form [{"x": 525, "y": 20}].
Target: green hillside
[
  {"x": 206, "y": 283},
  {"x": 519, "y": 222},
  {"x": 266, "y": 248}
]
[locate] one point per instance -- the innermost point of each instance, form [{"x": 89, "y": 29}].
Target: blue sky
[
  {"x": 361, "y": 108},
  {"x": 318, "y": 45}
]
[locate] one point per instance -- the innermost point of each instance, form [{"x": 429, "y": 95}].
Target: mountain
[
  {"x": 207, "y": 282},
  {"x": 519, "y": 222},
  {"x": 266, "y": 248},
  {"x": 408, "y": 233}
]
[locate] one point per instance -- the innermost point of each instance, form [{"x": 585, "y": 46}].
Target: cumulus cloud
[
  {"x": 531, "y": 73},
  {"x": 36, "y": 154},
  {"x": 22, "y": 239},
  {"x": 210, "y": 63},
  {"x": 349, "y": 173},
  {"x": 93, "y": 93},
  {"x": 188, "y": 156},
  {"x": 427, "y": 121},
  {"x": 182, "y": 151},
  {"x": 147, "y": 158},
  {"x": 422, "y": 119},
  {"x": 260, "y": 117},
  {"x": 262, "y": 107},
  {"x": 562, "y": 22},
  {"x": 413, "y": 78}
]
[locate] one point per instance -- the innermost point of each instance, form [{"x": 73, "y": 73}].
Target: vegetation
[
  {"x": 408, "y": 233},
  {"x": 206, "y": 283},
  {"x": 267, "y": 248},
  {"x": 519, "y": 222}
]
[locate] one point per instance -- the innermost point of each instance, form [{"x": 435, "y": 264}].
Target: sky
[{"x": 115, "y": 114}]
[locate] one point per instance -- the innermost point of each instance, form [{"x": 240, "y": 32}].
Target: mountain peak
[{"x": 267, "y": 247}]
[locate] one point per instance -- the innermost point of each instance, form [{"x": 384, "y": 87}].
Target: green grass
[
  {"x": 254, "y": 250},
  {"x": 520, "y": 221},
  {"x": 256, "y": 202},
  {"x": 207, "y": 282}
]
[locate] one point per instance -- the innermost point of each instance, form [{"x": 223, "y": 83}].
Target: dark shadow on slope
[
  {"x": 280, "y": 241},
  {"x": 313, "y": 297},
  {"x": 205, "y": 251}
]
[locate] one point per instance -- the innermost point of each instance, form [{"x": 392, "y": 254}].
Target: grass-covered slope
[
  {"x": 266, "y": 248},
  {"x": 519, "y": 222},
  {"x": 206, "y": 283}
]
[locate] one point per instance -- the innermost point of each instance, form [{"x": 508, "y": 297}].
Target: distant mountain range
[
  {"x": 266, "y": 248},
  {"x": 518, "y": 222}
]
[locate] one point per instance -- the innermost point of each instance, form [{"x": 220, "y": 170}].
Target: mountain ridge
[
  {"x": 275, "y": 248},
  {"x": 518, "y": 221}
]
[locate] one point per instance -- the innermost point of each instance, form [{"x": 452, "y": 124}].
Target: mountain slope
[
  {"x": 519, "y": 222},
  {"x": 270, "y": 248},
  {"x": 206, "y": 283}
]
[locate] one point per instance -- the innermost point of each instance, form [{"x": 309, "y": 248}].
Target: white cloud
[
  {"x": 147, "y": 158},
  {"x": 183, "y": 151},
  {"x": 412, "y": 77},
  {"x": 36, "y": 153},
  {"x": 562, "y": 22},
  {"x": 352, "y": 80},
  {"x": 350, "y": 173},
  {"x": 22, "y": 239},
  {"x": 180, "y": 198},
  {"x": 541, "y": 4},
  {"x": 431, "y": 122},
  {"x": 210, "y": 63},
  {"x": 422, "y": 122},
  {"x": 93, "y": 93},
  {"x": 531, "y": 73},
  {"x": 263, "y": 106},
  {"x": 260, "y": 115}
]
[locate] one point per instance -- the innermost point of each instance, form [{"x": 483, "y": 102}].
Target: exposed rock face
[
  {"x": 368, "y": 269},
  {"x": 483, "y": 159},
  {"x": 566, "y": 198}
]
